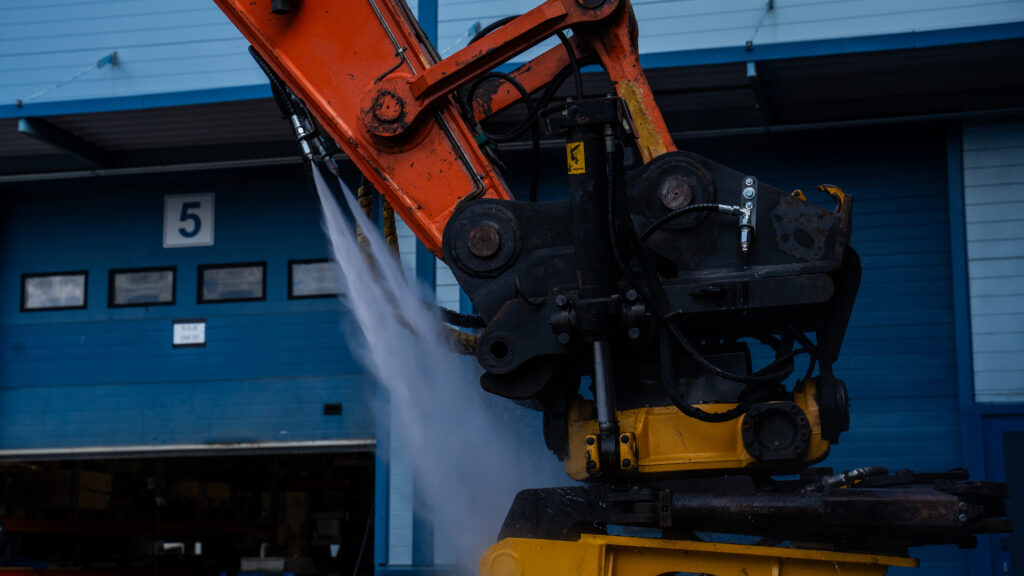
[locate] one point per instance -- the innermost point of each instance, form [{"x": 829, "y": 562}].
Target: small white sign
[
  {"x": 188, "y": 220},
  {"x": 189, "y": 333}
]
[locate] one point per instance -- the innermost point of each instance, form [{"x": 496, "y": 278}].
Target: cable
[
  {"x": 516, "y": 132},
  {"x": 679, "y": 399},
  {"x": 787, "y": 357},
  {"x": 773, "y": 378},
  {"x": 575, "y": 65},
  {"x": 492, "y": 27},
  {"x": 657, "y": 224},
  {"x": 279, "y": 90}
]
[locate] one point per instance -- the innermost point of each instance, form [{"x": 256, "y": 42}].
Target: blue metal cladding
[{"x": 110, "y": 376}]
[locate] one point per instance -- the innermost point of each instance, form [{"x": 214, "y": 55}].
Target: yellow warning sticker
[{"x": 574, "y": 153}]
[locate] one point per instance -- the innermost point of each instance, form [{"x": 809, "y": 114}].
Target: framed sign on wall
[{"x": 188, "y": 220}]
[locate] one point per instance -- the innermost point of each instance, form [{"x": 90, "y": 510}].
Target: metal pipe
[
  {"x": 603, "y": 391},
  {"x": 782, "y": 128},
  {"x": 171, "y": 450},
  {"x": 156, "y": 169}
]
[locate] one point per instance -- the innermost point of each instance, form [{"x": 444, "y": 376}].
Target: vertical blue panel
[{"x": 427, "y": 15}]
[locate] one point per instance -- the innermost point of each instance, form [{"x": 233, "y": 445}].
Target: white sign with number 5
[{"x": 188, "y": 220}]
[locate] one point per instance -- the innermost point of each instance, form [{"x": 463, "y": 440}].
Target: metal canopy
[{"x": 947, "y": 81}]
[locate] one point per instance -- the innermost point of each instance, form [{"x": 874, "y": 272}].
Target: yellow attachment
[
  {"x": 627, "y": 451},
  {"x": 836, "y": 193},
  {"x": 596, "y": 555},
  {"x": 799, "y": 195},
  {"x": 663, "y": 439},
  {"x": 592, "y": 464}
]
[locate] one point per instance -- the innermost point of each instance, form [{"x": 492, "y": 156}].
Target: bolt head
[
  {"x": 561, "y": 300},
  {"x": 388, "y": 107},
  {"x": 484, "y": 240},
  {"x": 749, "y": 193},
  {"x": 633, "y": 333},
  {"x": 591, "y": 441},
  {"x": 962, "y": 517},
  {"x": 624, "y": 439},
  {"x": 749, "y": 205},
  {"x": 748, "y": 181},
  {"x": 626, "y": 462},
  {"x": 563, "y": 338}
]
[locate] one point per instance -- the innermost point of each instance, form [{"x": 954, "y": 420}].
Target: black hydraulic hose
[
  {"x": 773, "y": 378},
  {"x": 461, "y": 320},
  {"x": 531, "y": 110},
  {"x": 692, "y": 208},
  {"x": 531, "y": 113},
  {"x": 679, "y": 399},
  {"x": 573, "y": 63},
  {"x": 780, "y": 361},
  {"x": 278, "y": 89},
  {"x": 492, "y": 27}
]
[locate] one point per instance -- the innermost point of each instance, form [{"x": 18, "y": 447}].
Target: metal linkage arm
[{"x": 373, "y": 82}]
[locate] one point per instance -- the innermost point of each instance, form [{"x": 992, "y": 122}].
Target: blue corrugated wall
[{"x": 110, "y": 377}]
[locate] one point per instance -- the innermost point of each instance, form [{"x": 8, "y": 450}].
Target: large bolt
[
  {"x": 484, "y": 240},
  {"x": 676, "y": 192},
  {"x": 388, "y": 107}
]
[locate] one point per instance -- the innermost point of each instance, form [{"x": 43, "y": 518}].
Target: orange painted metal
[
  {"x": 495, "y": 95},
  {"x": 331, "y": 54},
  {"x": 417, "y": 93},
  {"x": 615, "y": 44},
  {"x": 372, "y": 83}
]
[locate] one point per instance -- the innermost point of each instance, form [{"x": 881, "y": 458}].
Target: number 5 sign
[{"x": 188, "y": 220}]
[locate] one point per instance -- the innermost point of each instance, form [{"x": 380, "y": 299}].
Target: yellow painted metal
[
  {"x": 595, "y": 555},
  {"x": 627, "y": 451},
  {"x": 666, "y": 440},
  {"x": 592, "y": 454},
  {"x": 836, "y": 193},
  {"x": 649, "y": 139}
]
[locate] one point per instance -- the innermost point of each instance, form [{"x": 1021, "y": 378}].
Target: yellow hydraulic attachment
[
  {"x": 594, "y": 555},
  {"x": 662, "y": 439}
]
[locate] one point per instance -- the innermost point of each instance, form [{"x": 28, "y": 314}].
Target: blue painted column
[
  {"x": 426, "y": 273},
  {"x": 427, "y": 15}
]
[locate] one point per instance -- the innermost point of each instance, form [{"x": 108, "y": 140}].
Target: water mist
[{"x": 470, "y": 452}]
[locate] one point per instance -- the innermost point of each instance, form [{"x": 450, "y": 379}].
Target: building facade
[{"x": 163, "y": 303}]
